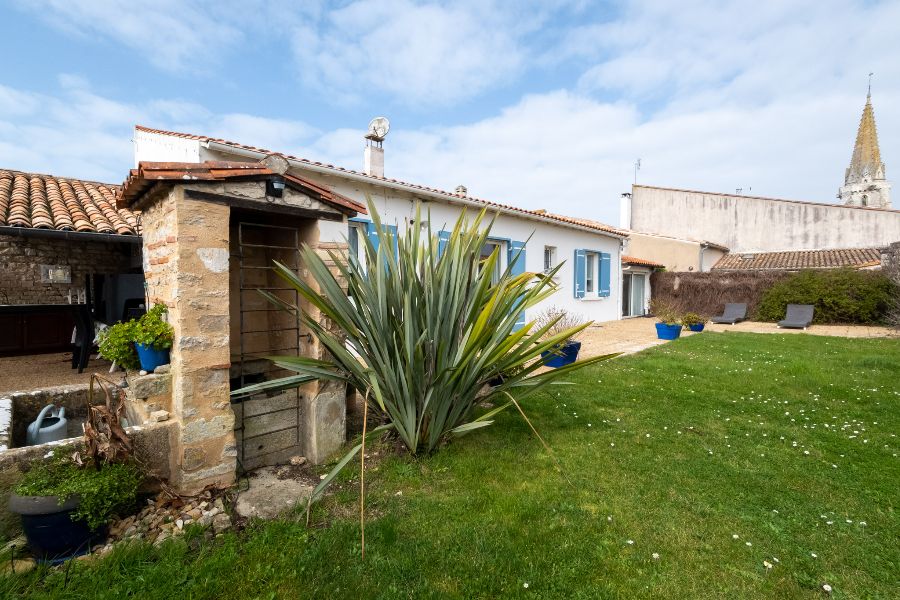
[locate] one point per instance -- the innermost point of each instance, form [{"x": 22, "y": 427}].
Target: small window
[
  {"x": 590, "y": 273},
  {"x": 549, "y": 258}
]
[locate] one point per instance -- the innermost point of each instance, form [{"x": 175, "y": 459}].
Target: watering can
[{"x": 50, "y": 426}]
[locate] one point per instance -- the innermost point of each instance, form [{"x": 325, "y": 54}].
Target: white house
[{"x": 590, "y": 279}]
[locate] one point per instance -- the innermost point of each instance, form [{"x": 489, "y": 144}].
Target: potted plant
[
  {"x": 65, "y": 502},
  {"x": 153, "y": 338},
  {"x": 140, "y": 343},
  {"x": 693, "y": 321},
  {"x": 559, "y": 320},
  {"x": 668, "y": 327}
]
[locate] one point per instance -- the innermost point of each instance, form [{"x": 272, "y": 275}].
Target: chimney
[
  {"x": 374, "y": 160},
  {"x": 625, "y": 211},
  {"x": 462, "y": 191}
]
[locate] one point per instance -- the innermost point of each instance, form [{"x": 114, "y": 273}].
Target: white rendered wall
[{"x": 153, "y": 147}]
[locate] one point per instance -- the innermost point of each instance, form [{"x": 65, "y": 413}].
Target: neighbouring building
[
  {"x": 62, "y": 240},
  {"x": 752, "y": 224},
  {"x": 590, "y": 279}
]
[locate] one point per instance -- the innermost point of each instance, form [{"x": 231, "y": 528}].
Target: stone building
[
  {"x": 864, "y": 180},
  {"x": 57, "y": 235}
]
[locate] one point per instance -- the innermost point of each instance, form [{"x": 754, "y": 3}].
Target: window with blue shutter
[
  {"x": 516, "y": 258},
  {"x": 580, "y": 273}
]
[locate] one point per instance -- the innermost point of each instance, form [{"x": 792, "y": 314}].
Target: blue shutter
[
  {"x": 580, "y": 275},
  {"x": 392, "y": 230},
  {"x": 516, "y": 258},
  {"x": 373, "y": 235},
  {"x": 605, "y": 271},
  {"x": 443, "y": 239}
]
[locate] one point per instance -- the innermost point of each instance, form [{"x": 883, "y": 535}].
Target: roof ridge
[{"x": 58, "y": 177}]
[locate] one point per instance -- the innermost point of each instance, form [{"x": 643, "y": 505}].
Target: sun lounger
[
  {"x": 799, "y": 316},
  {"x": 734, "y": 313}
]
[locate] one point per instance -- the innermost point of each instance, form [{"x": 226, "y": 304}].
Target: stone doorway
[{"x": 268, "y": 425}]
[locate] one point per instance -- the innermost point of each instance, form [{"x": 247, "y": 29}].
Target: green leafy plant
[
  {"x": 116, "y": 344},
  {"x": 840, "y": 296},
  {"x": 151, "y": 330},
  {"x": 101, "y": 492},
  {"x": 421, "y": 330},
  {"x": 664, "y": 312},
  {"x": 689, "y": 319}
]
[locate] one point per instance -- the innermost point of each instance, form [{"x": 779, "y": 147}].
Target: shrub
[
  {"x": 424, "y": 330},
  {"x": 689, "y": 319},
  {"x": 101, "y": 491},
  {"x": 664, "y": 312},
  {"x": 559, "y": 320},
  {"x": 840, "y": 296}
]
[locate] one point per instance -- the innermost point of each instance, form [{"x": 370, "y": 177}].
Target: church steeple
[{"x": 864, "y": 180}]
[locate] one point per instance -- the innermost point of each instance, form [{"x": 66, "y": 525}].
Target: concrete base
[{"x": 272, "y": 491}]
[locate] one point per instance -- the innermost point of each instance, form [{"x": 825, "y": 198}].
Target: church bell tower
[{"x": 864, "y": 180}]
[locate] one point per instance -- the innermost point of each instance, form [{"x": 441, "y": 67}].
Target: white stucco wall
[
  {"x": 750, "y": 224},
  {"x": 397, "y": 207}
]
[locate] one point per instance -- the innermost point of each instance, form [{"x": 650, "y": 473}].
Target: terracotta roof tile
[
  {"x": 800, "y": 259},
  {"x": 542, "y": 215},
  {"x": 39, "y": 201},
  {"x": 634, "y": 260},
  {"x": 149, "y": 173}
]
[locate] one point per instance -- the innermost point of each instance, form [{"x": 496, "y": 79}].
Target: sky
[{"x": 539, "y": 104}]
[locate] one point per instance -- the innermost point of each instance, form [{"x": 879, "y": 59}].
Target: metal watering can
[{"x": 50, "y": 426}]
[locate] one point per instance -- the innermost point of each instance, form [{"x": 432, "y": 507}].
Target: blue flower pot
[
  {"x": 564, "y": 356},
  {"x": 151, "y": 358},
  {"x": 668, "y": 332},
  {"x": 697, "y": 327}
]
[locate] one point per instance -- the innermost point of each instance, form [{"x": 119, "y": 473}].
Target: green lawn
[{"x": 716, "y": 453}]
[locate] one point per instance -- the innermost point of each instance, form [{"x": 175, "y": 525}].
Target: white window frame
[
  {"x": 549, "y": 258},
  {"x": 590, "y": 274},
  {"x": 500, "y": 265}
]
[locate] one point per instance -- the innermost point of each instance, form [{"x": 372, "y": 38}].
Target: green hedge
[{"x": 840, "y": 296}]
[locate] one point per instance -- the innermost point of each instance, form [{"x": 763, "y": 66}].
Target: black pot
[{"x": 53, "y": 536}]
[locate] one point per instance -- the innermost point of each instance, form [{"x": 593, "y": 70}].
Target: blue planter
[
  {"x": 564, "y": 356},
  {"x": 151, "y": 358},
  {"x": 697, "y": 327},
  {"x": 668, "y": 332}
]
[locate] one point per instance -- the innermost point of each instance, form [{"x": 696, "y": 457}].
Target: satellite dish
[{"x": 378, "y": 128}]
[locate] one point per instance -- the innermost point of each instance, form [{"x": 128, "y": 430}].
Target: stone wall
[
  {"x": 22, "y": 257},
  {"x": 750, "y": 224},
  {"x": 186, "y": 267}
]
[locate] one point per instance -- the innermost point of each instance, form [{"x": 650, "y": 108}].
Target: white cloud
[
  {"x": 172, "y": 35},
  {"x": 422, "y": 54},
  {"x": 79, "y": 133}
]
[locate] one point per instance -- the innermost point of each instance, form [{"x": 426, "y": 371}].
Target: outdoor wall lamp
[{"x": 275, "y": 188}]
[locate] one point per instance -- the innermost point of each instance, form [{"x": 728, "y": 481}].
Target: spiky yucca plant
[{"x": 423, "y": 332}]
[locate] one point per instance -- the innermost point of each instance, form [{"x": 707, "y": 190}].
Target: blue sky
[{"x": 539, "y": 104}]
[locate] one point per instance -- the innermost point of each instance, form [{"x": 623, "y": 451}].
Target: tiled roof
[
  {"x": 31, "y": 200},
  {"x": 800, "y": 259},
  {"x": 587, "y": 223},
  {"x": 633, "y": 260},
  {"x": 149, "y": 173},
  {"x": 411, "y": 186}
]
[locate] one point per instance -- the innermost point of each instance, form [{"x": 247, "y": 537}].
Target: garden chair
[
  {"x": 799, "y": 316},
  {"x": 735, "y": 312}
]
